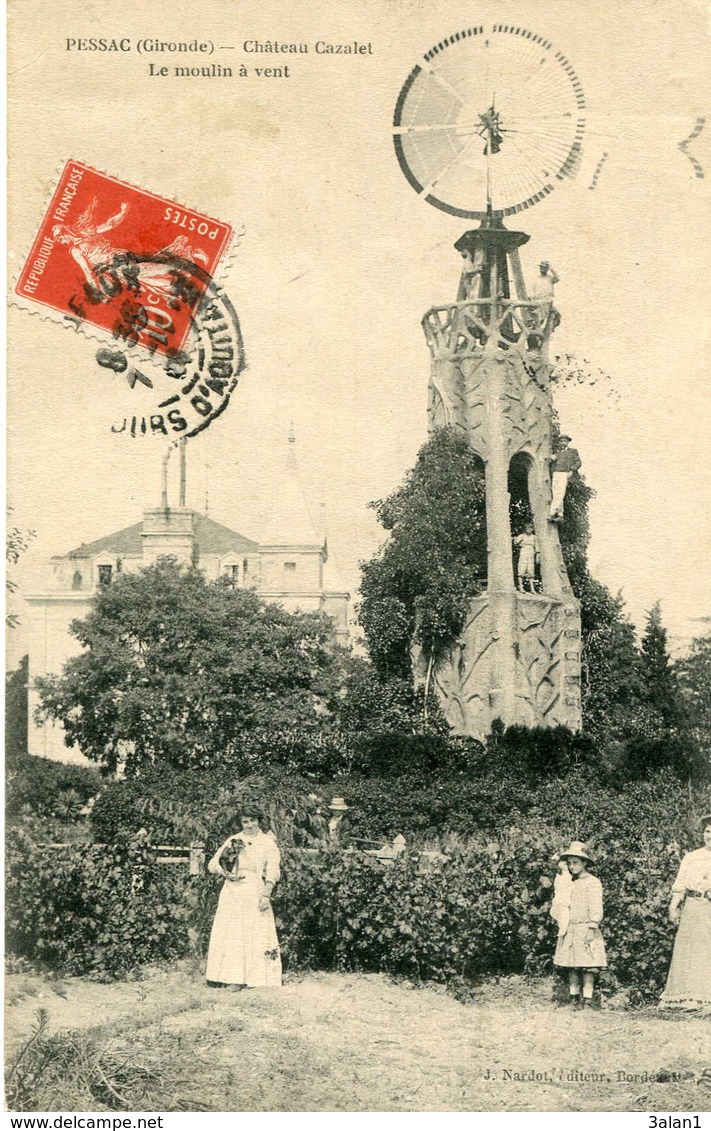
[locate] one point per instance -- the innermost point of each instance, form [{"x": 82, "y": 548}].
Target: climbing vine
[{"x": 417, "y": 589}]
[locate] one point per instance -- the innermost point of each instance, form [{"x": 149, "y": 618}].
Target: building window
[
  {"x": 290, "y": 565},
  {"x": 232, "y": 575},
  {"x": 105, "y": 575},
  {"x": 77, "y": 580}
]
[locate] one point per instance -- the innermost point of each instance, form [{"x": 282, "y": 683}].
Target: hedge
[
  {"x": 85, "y": 909},
  {"x": 177, "y": 808},
  {"x": 103, "y": 912},
  {"x": 484, "y": 912}
]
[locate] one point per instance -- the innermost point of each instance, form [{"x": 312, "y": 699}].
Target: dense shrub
[
  {"x": 423, "y": 810},
  {"x": 88, "y": 909},
  {"x": 483, "y": 912},
  {"x": 645, "y": 756},
  {"x": 177, "y": 808},
  {"x": 174, "y": 807},
  {"x": 536, "y": 753},
  {"x": 407, "y": 756},
  {"x": 40, "y": 786},
  {"x": 416, "y": 917}
]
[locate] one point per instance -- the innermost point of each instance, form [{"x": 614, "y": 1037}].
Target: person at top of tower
[
  {"x": 469, "y": 273},
  {"x": 469, "y": 292},
  {"x": 565, "y": 461},
  {"x": 544, "y": 288}
]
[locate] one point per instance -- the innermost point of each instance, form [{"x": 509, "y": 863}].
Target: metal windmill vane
[{"x": 492, "y": 114}]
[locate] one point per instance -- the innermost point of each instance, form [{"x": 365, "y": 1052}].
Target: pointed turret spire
[{"x": 290, "y": 519}]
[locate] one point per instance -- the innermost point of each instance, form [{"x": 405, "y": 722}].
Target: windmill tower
[{"x": 496, "y": 115}]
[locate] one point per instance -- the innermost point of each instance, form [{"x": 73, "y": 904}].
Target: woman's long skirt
[
  {"x": 689, "y": 979},
  {"x": 244, "y": 949}
]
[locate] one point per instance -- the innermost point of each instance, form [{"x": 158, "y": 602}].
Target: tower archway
[{"x": 520, "y": 509}]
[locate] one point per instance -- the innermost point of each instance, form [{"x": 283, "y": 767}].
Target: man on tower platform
[
  {"x": 469, "y": 292},
  {"x": 544, "y": 288},
  {"x": 470, "y": 272},
  {"x": 564, "y": 463},
  {"x": 527, "y": 557}
]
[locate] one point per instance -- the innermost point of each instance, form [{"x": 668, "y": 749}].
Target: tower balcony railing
[{"x": 465, "y": 327}]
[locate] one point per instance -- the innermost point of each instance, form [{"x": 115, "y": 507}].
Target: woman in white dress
[
  {"x": 689, "y": 979},
  {"x": 244, "y": 949}
]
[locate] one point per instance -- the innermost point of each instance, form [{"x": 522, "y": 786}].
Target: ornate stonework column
[{"x": 518, "y": 657}]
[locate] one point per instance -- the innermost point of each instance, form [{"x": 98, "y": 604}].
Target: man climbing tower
[{"x": 564, "y": 463}]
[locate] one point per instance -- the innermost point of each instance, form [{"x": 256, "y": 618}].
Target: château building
[{"x": 290, "y": 566}]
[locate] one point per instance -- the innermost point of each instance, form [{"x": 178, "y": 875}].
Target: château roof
[
  {"x": 211, "y": 537},
  {"x": 288, "y": 520}
]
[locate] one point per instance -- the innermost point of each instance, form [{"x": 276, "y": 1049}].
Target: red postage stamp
[{"x": 123, "y": 260}]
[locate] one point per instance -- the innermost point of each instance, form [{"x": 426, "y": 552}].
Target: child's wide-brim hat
[
  {"x": 577, "y": 848},
  {"x": 705, "y": 820}
]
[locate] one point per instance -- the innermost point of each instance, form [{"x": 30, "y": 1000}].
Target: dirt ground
[{"x": 339, "y": 1042}]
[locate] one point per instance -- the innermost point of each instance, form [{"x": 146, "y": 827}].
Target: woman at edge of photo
[
  {"x": 244, "y": 949},
  {"x": 689, "y": 978}
]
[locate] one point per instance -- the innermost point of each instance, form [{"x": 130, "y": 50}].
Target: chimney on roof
[
  {"x": 166, "y": 532},
  {"x": 183, "y": 444},
  {"x": 164, "y": 479}
]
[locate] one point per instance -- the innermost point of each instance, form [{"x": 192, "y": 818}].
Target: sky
[{"x": 339, "y": 259}]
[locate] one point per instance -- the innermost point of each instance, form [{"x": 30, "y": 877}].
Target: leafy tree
[
  {"x": 613, "y": 694},
  {"x": 617, "y": 706},
  {"x": 16, "y": 709},
  {"x": 179, "y": 671},
  {"x": 661, "y": 687},
  {"x": 16, "y": 542},
  {"x": 693, "y": 675},
  {"x": 417, "y": 589},
  {"x": 670, "y": 739},
  {"x": 375, "y": 703}
]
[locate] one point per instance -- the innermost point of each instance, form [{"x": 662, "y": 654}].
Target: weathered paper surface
[
  {"x": 336, "y": 259},
  {"x": 340, "y": 258}
]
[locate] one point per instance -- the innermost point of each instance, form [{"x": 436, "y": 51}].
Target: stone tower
[{"x": 518, "y": 657}]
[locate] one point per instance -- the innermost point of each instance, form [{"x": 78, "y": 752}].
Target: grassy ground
[{"x": 339, "y": 1042}]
